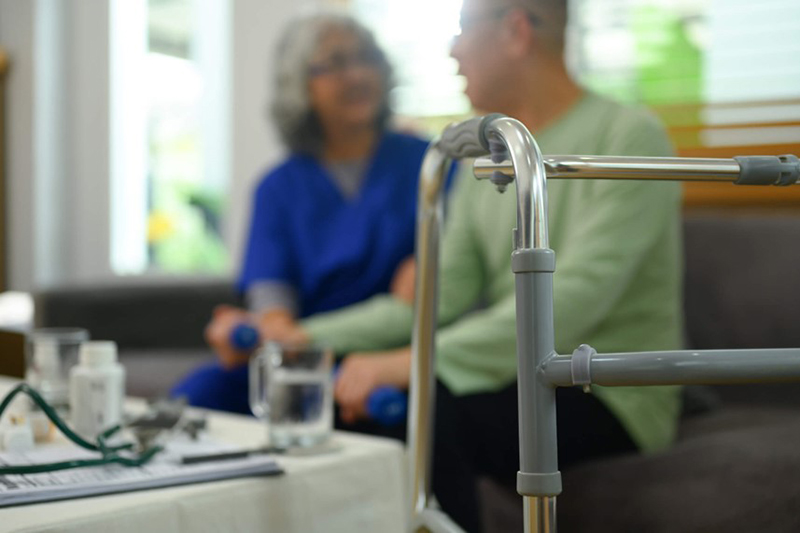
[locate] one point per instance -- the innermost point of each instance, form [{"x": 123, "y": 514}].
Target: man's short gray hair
[{"x": 296, "y": 121}]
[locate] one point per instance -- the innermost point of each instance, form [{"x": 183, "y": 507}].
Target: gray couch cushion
[
  {"x": 740, "y": 477},
  {"x": 146, "y": 317},
  {"x": 742, "y": 290},
  {"x": 742, "y": 284},
  {"x": 152, "y": 373},
  {"x": 735, "y": 471}
]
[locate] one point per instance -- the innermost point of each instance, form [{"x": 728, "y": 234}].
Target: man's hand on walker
[{"x": 362, "y": 373}]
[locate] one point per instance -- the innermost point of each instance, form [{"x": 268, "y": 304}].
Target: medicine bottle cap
[{"x": 98, "y": 353}]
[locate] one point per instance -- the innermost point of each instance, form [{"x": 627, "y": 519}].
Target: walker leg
[{"x": 540, "y": 514}]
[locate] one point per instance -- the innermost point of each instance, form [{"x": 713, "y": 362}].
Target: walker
[{"x": 515, "y": 156}]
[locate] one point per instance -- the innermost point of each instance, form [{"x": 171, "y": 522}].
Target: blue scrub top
[{"x": 333, "y": 250}]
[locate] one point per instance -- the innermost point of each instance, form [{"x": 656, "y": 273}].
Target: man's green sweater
[{"x": 617, "y": 284}]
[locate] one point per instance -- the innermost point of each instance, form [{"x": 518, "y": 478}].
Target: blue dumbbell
[
  {"x": 387, "y": 406},
  {"x": 244, "y": 338}
]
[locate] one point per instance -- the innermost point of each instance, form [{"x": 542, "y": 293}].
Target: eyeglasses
[{"x": 338, "y": 63}]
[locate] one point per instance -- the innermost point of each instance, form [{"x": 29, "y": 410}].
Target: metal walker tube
[
  {"x": 747, "y": 170},
  {"x": 516, "y": 156},
  {"x": 423, "y": 390}
]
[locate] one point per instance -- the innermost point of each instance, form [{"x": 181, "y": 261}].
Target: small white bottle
[{"x": 96, "y": 389}]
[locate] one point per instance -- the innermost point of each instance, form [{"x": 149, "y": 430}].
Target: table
[{"x": 358, "y": 487}]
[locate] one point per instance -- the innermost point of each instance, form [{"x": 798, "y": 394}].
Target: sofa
[
  {"x": 736, "y": 464},
  {"x": 158, "y": 328}
]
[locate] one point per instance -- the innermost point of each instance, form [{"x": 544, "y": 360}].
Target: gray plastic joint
[
  {"x": 768, "y": 170},
  {"x": 533, "y": 260},
  {"x": 539, "y": 484},
  {"x": 581, "y": 366},
  {"x": 468, "y": 138}
]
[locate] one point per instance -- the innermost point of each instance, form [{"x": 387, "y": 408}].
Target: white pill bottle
[{"x": 96, "y": 389}]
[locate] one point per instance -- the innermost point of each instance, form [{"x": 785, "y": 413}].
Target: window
[
  {"x": 703, "y": 66},
  {"x": 690, "y": 60},
  {"x": 417, "y": 35},
  {"x": 170, "y": 170}
]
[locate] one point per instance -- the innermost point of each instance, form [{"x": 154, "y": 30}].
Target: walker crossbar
[
  {"x": 743, "y": 170},
  {"x": 515, "y": 156},
  {"x": 679, "y": 367}
]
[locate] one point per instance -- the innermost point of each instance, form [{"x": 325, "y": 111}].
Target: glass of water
[
  {"x": 51, "y": 353},
  {"x": 291, "y": 387}
]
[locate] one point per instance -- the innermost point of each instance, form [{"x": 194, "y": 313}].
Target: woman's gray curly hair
[{"x": 295, "y": 120}]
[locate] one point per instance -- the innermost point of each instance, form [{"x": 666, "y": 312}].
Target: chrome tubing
[
  {"x": 423, "y": 381},
  {"x": 526, "y": 160},
  {"x": 539, "y": 513},
  {"x": 623, "y": 168}
]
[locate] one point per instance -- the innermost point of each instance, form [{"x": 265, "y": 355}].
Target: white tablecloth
[{"x": 358, "y": 487}]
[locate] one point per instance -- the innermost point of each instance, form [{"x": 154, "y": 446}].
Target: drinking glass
[
  {"x": 291, "y": 388},
  {"x": 51, "y": 353}
]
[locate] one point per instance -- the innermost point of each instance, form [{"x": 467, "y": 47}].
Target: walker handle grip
[
  {"x": 467, "y": 138},
  {"x": 768, "y": 169}
]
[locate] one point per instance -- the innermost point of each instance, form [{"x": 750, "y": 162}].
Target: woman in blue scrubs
[{"x": 332, "y": 223}]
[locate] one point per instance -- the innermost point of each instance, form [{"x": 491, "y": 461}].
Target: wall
[
  {"x": 16, "y": 34},
  {"x": 257, "y": 25}
]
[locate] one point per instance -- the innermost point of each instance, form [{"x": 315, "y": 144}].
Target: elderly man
[{"x": 617, "y": 285}]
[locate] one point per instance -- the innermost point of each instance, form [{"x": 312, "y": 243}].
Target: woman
[{"x": 332, "y": 222}]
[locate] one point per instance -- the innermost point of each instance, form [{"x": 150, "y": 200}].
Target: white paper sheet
[{"x": 163, "y": 470}]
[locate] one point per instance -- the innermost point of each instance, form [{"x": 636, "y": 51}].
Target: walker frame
[{"x": 515, "y": 156}]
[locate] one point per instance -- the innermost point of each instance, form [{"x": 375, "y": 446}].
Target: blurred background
[{"x": 135, "y": 129}]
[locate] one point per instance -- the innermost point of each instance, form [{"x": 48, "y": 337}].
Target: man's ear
[{"x": 519, "y": 32}]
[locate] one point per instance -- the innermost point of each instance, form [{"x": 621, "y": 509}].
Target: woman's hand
[
  {"x": 279, "y": 325},
  {"x": 402, "y": 286},
  {"x": 218, "y": 334},
  {"x": 360, "y": 374},
  {"x": 275, "y": 325}
]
